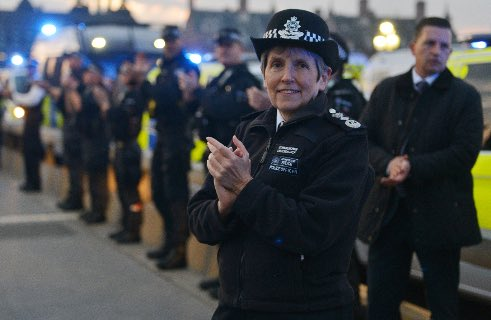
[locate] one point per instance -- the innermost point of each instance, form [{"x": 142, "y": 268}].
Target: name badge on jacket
[{"x": 285, "y": 160}]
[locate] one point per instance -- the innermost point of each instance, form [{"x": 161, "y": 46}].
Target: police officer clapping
[
  {"x": 125, "y": 123},
  {"x": 171, "y": 155},
  {"x": 225, "y": 99},
  {"x": 283, "y": 201},
  {"x": 94, "y": 104}
]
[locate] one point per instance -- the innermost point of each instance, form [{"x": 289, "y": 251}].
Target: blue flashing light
[
  {"x": 48, "y": 29},
  {"x": 208, "y": 57},
  {"x": 479, "y": 44},
  {"x": 194, "y": 58},
  {"x": 278, "y": 241},
  {"x": 17, "y": 60}
]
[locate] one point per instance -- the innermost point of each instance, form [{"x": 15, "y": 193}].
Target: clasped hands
[
  {"x": 231, "y": 171},
  {"x": 397, "y": 171}
]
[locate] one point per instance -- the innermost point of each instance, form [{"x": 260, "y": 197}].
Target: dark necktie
[
  {"x": 280, "y": 125},
  {"x": 422, "y": 86}
]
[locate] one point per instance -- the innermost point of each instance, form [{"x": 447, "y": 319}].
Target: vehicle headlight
[{"x": 19, "y": 112}]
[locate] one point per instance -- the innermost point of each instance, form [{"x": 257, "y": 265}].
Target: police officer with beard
[
  {"x": 171, "y": 155},
  {"x": 125, "y": 124}
]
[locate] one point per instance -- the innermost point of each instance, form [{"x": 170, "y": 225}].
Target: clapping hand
[{"x": 231, "y": 171}]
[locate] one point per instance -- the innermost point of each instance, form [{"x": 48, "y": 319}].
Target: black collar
[{"x": 315, "y": 108}]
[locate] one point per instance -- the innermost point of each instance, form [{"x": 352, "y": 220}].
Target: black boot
[
  {"x": 116, "y": 234},
  {"x": 70, "y": 204},
  {"x": 209, "y": 283},
  {"x": 213, "y": 292},
  {"x": 159, "y": 253},
  {"x": 128, "y": 237},
  {"x": 29, "y": 187},
  {"x": 132, "y": 225},
  {"x": 175, "y": 259},
  {"x": 91, "y": 217}
]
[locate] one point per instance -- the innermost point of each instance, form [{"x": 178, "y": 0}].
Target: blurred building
[
  {"x": 358, "y": 30},
  {"x": 203, "y": 25},
  {"x": 18, "y": 28}
]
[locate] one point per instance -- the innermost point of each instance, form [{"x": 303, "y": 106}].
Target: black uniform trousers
[
  {"x": 72, "y": 158},
  {"x": 32, "y": 148},
  {"x": 127, "y": 169},
  {"x": 95, "y": 152},
  {"x": 389, "y": 263},
  {"x": 229, "y": 313},
  {"x": 170, "y": 193}
]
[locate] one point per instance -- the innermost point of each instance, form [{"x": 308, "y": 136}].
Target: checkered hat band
[
  {"x": 271, "y": 34},
  {"x": 312, "y": 37},
  {"x": 309, "y": 36}
]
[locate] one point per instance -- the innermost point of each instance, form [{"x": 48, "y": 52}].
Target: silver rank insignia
[{"x": 347, "y": 121}]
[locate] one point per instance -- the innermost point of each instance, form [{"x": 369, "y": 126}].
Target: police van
[
  {"x": 106, "y": 45},
  {"x": 473, "y": 65}
]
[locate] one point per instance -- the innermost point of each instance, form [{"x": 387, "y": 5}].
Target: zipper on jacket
[
  {"x": 263, "y": 157},
  {"x": 265, "y": 153},
  {"x": 238, "y": 302}
]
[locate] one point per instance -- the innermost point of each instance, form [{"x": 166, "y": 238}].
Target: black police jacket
[
  {"x": 286, "y": 245},
  {"x": 224, "y": 102},
  {"x": 171, "y": 113},
  {"x": 125, "y": 118},
  {"x": 442, "y": 140},
  {"x": 346, "y": 98},
  {"x": 90, "y": 119}
]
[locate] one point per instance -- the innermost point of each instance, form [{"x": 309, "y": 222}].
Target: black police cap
[
  {"x": 171, "y": 32},
  {"x": 342, "y": 47},
  {"x": 228, "y": 36},
  {"x": 299, "y": 28}
]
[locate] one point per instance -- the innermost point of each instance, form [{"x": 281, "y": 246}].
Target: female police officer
[{"x": 284, "y": 204}]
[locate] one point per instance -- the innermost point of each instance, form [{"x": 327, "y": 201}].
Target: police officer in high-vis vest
[
  {"x": 171, "y": 155},
  {"x": 30, "y": 94},
  {"x": 224, "y": 100}
]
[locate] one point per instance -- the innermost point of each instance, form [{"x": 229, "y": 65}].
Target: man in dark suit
[{"x": 424, "y": 140}]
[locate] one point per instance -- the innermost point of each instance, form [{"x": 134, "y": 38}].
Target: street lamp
[{"x": 387, "y": 38}]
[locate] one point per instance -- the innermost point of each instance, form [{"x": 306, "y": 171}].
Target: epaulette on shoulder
[{"x": 341, "y": 120}]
